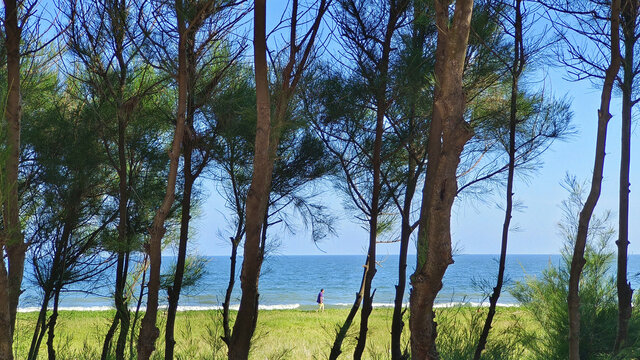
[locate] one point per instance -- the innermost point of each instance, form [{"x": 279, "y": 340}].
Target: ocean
[{"x": 293, "y": 282}]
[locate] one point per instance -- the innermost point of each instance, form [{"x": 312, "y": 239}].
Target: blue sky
[{"x": 477, "y": 224}]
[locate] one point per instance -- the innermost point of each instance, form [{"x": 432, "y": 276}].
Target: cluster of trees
[{"x": 114, "y": 109}]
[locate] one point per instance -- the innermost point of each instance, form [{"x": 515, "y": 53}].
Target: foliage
[
  {"x": 545, "y": 299},
  {"x": 194, "y": 271}
]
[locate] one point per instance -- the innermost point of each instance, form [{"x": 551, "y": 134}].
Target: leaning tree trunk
[
  {"x": 149, "y": 331},
  {"x": 577, "y": 260},
  {"x": 516, "y": 70},
  {"x": 625, "y": 292},
  {"x": 174, "y": 291},
  {"x": 448, "y": 134}
]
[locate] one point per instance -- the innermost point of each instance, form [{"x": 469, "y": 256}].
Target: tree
[
  {"x": 516, "y": 69},
  {"x": 590, "y": 24},
  {"x": 103, "y": 39},
  {"x": 208, "y": 65},
  {"x": 448, "y": 134},
  {"x": 629, "y": 18},
  {"x": 266, "y": 145},
  {"x": 11, "y": 240},
  {"x": 71, "y": 216}
]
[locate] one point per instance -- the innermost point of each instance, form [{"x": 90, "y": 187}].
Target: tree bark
[
  {"x": 516, "y": 70},
  {"x": 149, "y": 331},
  {"x": 257, "y": 196},
  {"x": 13, "y": 241},
  {"x": 625, "y": 292},
  {"x": 448, "y": 134},
  {"x": 577, "y": 260}
]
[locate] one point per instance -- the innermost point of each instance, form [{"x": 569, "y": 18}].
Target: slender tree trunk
[
  {"x": 149, "y": 332},
  {"x": 125, "y": 321},
  {"x": 577, "y": 260},
  {"x": 370, "y": 267},
  {"x": 52, "y": 325},
  {"x": 41, "y": 327},
  {"x": 119, "y": 302},
  {"x": 625, "y": 292},
  {"x": 174, "y": 291},
  {"x": 342, "y": 332},
  {"x": 448, "y": 134},
  {"x": 397, "y": 324},
  {"x": 136, "y": 315},
  {"x": 106, "y": 345},
  {"x": 257, "y": 197},
  {"x": 516, "y": 70},
  {"x": 227, "y": 297},
  {"x": 123, "y": 242},
  {"x": 14, "y": 241}
]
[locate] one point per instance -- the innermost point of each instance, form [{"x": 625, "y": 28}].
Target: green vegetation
[{"x": 282, "y": 334}]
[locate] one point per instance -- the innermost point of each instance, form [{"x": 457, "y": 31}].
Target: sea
[{"x": 293, "y": 282}]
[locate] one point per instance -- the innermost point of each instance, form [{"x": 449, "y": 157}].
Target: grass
[{"x": 281, "y": 334}]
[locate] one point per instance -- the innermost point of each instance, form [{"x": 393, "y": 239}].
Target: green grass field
[{"x": 281, "y": 334}]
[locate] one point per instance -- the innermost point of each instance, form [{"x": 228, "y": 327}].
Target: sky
[{"x": 477, "y": 223}]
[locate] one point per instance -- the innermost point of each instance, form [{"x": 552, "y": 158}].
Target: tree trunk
[
  {"x": 397, "y": 324},
  {"x": 227, "y": 297},
  {"x": 447, "y": 136},
  {"x": 174, "y": 291},
  {"x": 15, "y": 246},
  {"x": 516, "y": 70},
  {"x": 577, "y": 260},
  {"x": 625, "y": 292},
  {"x": 342, "y": 332},
  {"x": 41, "y": 327},
  {"x": 52, "y": 325},
  {"x": 149, "y": 331},
  {"x": 136, "y": 315},
  {"x": 106, "y": 345},
  {"x": 5, "y": 320},
  {"x": 257, "y": 197},
  {"x": 123, "y": 242}
]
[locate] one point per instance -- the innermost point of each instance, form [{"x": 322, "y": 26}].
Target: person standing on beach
[{"x": 320, "y": 300}]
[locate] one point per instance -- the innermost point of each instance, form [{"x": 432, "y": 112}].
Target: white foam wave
[
  {"x": 261, "y": 307},
  {"x": 470, "y": 304},
  {"x": 438, "y": 305}
]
